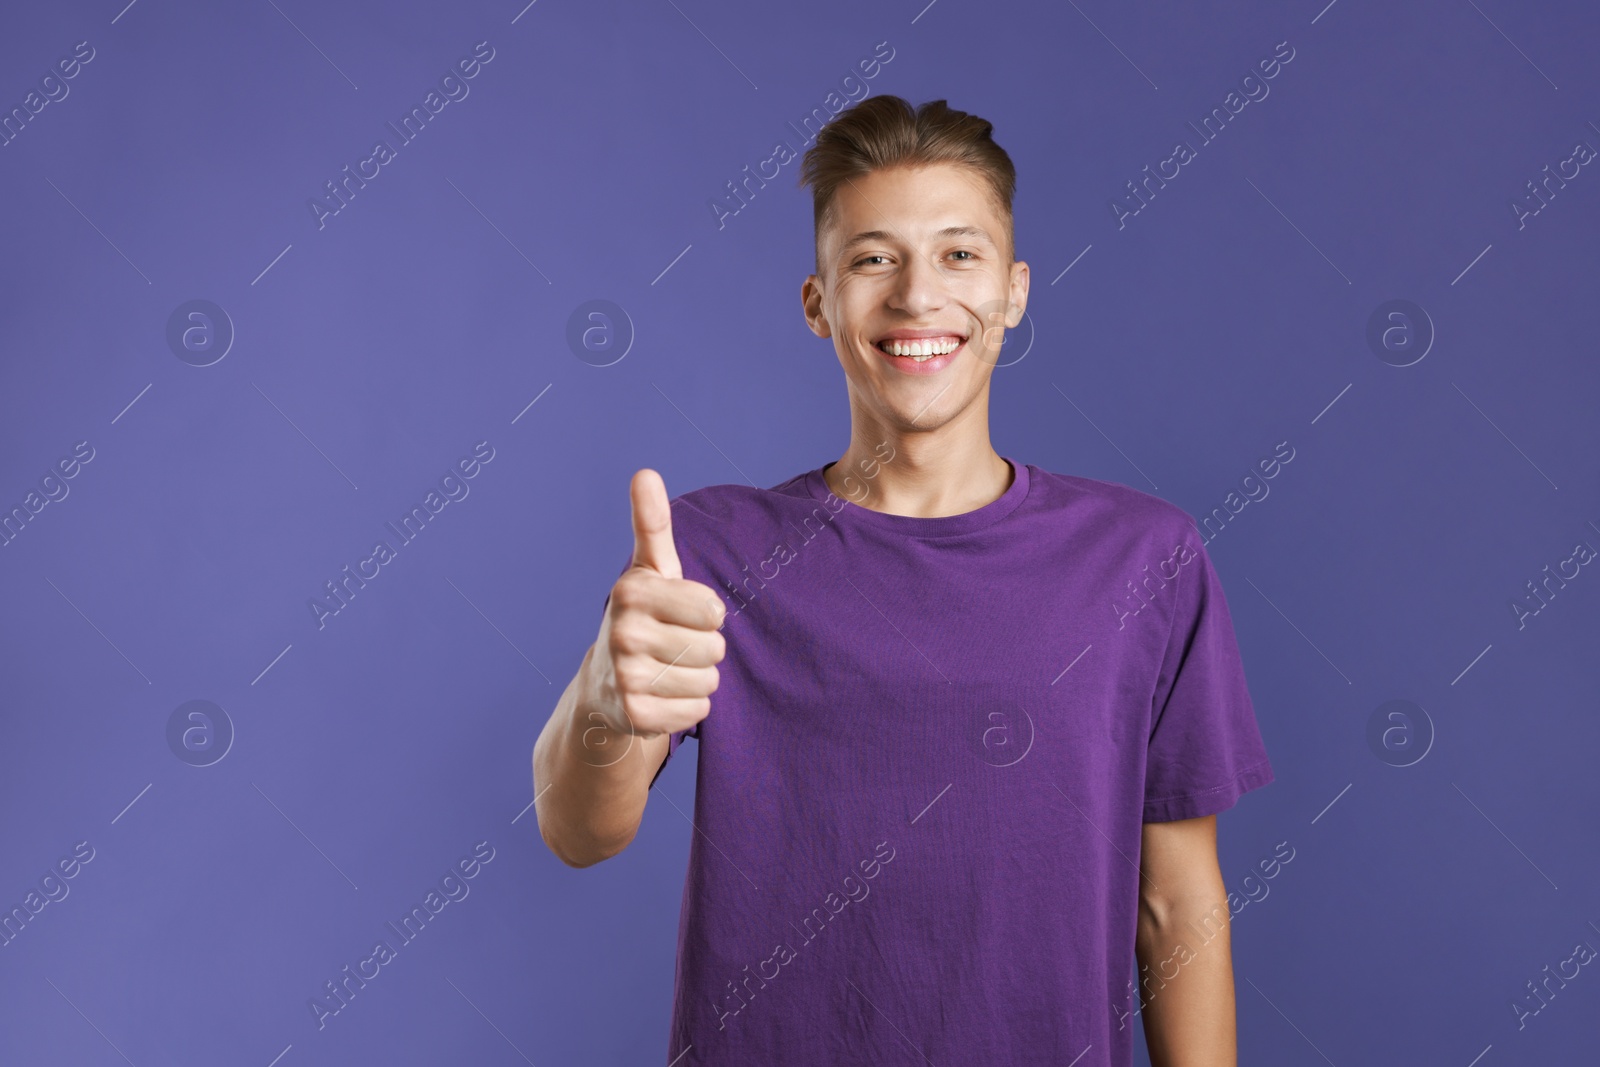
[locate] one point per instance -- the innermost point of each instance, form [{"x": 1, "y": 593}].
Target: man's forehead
[{"x": 901, "y": 234}]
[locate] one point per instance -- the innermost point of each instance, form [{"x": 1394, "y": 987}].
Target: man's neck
[{"x": 920, "y": 475}]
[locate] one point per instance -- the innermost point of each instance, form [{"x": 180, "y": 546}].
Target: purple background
[{"x": 373, "y": 352}]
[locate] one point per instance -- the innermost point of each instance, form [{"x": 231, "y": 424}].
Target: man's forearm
[
  {"x": 1186, "y": 983},
  {"x": 590, "y": 783}
]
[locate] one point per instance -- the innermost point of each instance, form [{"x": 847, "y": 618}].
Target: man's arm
[
  {"x": 1183, "y": 940},
  {"x": 590, "y": 782},
  {"x": 649, "y": 674}
]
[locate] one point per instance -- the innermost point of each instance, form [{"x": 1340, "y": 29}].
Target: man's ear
[
  {"x": 811, "y": 304},
  {"x": 1018, "y": 293}
]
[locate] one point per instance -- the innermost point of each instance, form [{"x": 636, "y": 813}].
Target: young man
[{"x": 973, "y": 720}]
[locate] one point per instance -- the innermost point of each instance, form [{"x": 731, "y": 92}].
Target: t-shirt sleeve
[
  {"x": 676, "y": 738},
  {"x": 1205, "y": 748}
]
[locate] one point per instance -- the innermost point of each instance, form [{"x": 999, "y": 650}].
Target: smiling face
[{"x": 914, "y": 261}]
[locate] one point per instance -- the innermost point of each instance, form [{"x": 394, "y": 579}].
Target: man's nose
[{"x": 920, "y": 286}]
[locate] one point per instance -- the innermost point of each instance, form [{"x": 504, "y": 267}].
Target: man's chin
[{"x": 923, "y": 405}]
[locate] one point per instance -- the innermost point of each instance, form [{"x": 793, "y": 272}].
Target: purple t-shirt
[{"x": 923, "y": 776}]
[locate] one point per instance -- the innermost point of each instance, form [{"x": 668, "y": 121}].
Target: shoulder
[
  {"x": 725, "y": 526},
  {"x": 713, "y": 507},
  {"x": 1130, "y": 511}
]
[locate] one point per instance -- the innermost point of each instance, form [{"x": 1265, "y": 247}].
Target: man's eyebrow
[{"x": 882, "y": 235}]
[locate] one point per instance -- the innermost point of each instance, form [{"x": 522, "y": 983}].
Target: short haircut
[{"x": 885, "y": 131}]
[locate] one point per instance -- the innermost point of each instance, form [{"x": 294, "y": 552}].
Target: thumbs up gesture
[{"x": 659, "y": 644}]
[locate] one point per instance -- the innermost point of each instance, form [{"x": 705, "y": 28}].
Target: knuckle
[
  {"x": 640, "y": 709},
  {"x": 634, "y": 677},
  {"x": 630, "y": 590},
  {"x": 627, "y": 636}
]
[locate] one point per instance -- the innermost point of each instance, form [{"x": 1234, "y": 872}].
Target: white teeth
[{"x": 921, "y": 350}]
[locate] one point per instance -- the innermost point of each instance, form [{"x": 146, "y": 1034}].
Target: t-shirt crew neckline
[{"x": 919, "y": 526}]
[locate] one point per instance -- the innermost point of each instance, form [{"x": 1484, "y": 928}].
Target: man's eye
[{"x": 864, "y": 260}]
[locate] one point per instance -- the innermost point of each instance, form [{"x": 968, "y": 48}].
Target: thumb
[{"x": 652, "y": 525}]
